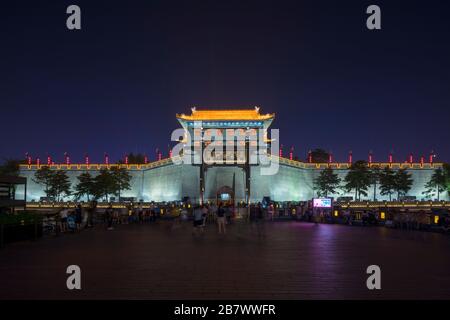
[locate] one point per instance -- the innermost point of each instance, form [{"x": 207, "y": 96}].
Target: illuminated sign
[{"x": 322, "y": 203}]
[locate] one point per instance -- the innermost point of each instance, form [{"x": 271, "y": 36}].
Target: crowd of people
[{"x": 223, "y": 213}]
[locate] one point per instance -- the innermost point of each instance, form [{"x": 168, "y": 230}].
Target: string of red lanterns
[{"x": 67, "y": 160}]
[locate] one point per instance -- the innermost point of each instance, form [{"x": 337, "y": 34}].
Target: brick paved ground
[{"x": 292, "y": 261}]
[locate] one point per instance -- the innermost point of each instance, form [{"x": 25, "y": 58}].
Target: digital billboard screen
[{"x": 322, "y": 202}]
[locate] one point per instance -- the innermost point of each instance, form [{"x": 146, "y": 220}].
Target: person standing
[
  {"x": 78, "y": 216},
  {"x": 205, "y": 212},
  {"x": 63, "y": 217},
  {"x": 91, "y": 213},
  {"x": 271, "y": 211},
  {"x": 228, "y": 213},
  {"x": 109, "y": 217},
  {"x": 259, "y": 220},
  {"x": 221, "y": 219},
  {"x": 198, "y": 221},
  {"x": 140, "y": 213}
]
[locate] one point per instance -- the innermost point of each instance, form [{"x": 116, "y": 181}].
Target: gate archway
[{"x": 225, "y": 194}]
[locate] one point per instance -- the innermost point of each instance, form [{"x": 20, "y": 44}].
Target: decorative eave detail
[{"x": 225, "y": 115}]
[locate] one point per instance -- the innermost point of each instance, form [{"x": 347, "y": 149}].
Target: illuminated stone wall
[
  {"x": 289, "y": 184},
  {"x": 173, "y": 182},
  {"x": 36, "y": 191}
]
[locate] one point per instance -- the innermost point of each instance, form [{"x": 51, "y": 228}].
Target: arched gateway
[{"x": 225, "y": 194}]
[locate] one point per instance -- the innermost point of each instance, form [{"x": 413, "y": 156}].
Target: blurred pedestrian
[{"x": 221, "y": 219}]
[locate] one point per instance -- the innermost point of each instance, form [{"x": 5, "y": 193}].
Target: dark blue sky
[{"x": 116, "y": 85}]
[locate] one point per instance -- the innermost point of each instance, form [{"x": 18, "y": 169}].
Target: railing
[
  {"x": 282, "y": 160},
  {"x": 395, "y": 204}
]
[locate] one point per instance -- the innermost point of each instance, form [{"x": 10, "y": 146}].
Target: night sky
[{"x": 116, "y": 85}]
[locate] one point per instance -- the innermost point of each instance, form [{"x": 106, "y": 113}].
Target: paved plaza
[{"x": 281, "y": 260}]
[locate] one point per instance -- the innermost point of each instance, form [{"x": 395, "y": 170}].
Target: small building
[{"x": 8, "y": 187}]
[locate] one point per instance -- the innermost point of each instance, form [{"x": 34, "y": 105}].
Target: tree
[
  {"x": 327, "y": 182},
  {"x": 447, "y": 176},
  {"x": 387, "y": 182},
  {"x": 122, "y": 179},
  {"x": 358, "y": 179},
  {"x": 134, "y": 159},
  {"x": 85, "y": 186},
  {"x": 10, "y": 167},
  {"x": 437, "y": 184},
  {"x": 403, "y": 182},
  {"x": 105, "y": 184},
  {"x": 319, "y": 156},
  {"x": 43, "y": 176},
  {"x": 375, "y": 174},
  {"x": 59, "y": 184}
]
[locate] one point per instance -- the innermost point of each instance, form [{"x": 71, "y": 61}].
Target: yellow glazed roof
[{"x": 226, "y": 114}]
